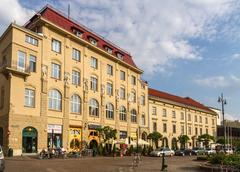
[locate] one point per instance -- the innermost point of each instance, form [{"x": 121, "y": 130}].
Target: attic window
[
  {"x": 109, "y": 50},
  {"x": 119, "y": 55},
  {"x": 93, "y": 41},
  {"x": 78, "y": 33}
]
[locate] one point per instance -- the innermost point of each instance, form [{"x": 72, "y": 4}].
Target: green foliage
[
  {"x": 114, "y": 151},
  {"x": 144, "y": 151},
  {"x": 100, "y": 150},
  {"x": 229, "y": 160},
  {"x": 155, "y": 137},
  {"x": 150, "y": 149},
  {"x": 183, "y": 139},
  {"x": 206, "y": 138},
  {"x": 130, "y": 150}
]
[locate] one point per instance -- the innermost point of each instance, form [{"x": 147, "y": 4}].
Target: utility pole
[{"x": 223, "y": 102}]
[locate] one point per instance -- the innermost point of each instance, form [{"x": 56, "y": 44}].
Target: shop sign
[
  {"x": 56, "y": 129},
  {"x": 94, "y": 126},
  {"x": 134, "y": 135}
]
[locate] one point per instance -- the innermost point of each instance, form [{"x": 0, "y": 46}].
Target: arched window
[
  {"x": 54, "y": 100},
  {"x": 93, "y": 107},
  {"x": 133, "y": 116},
  {"x": 109, "y": 111},
  {"x": 122, "y": 114},
  {"x": 76, "y": 104}
]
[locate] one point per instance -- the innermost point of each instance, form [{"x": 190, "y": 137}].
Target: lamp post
[{"x": 223, "y": 102}]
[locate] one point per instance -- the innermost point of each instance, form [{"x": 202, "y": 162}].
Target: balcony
[{"x": 14, "y": 68}]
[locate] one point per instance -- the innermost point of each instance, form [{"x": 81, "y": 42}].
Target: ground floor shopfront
[{"x": 28, "y": 134}]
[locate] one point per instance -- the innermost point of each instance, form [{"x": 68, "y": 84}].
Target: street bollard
[{"x": 164, "y": 166}]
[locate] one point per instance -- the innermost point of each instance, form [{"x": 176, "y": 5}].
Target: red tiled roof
[
  {"x": 63, "y": 22},
  {"x": 186, "y": 100}
]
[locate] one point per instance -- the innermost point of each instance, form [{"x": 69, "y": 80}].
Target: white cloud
[
  {"x": 155, "y": 32},
  {"x": 219, "y": 81},
  {"x": 10, "y": 11},
  {"x": 236, "y": 56}
]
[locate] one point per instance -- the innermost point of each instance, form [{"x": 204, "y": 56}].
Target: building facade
[
  {"x": 173, "y": 116},
  {"x": 60, "y": 81}
]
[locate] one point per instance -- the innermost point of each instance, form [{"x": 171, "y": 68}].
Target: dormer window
[
  {"x": 109, "y": 50},
  {"x": 77, "y": 32},
  {"x": 119, "y": 55},
  {"x": 93, "y": 41}
]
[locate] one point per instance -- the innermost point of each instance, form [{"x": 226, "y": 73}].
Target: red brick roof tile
[
  {"x": 186, "y": 100},
  {"x": 67, "y": 24}
]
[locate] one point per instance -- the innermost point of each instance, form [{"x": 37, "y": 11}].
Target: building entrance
[{"x": 29, "y": 140}]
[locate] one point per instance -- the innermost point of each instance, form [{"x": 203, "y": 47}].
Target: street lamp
[{"x": 224, "y": 102}]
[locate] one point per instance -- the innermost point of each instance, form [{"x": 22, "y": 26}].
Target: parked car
[
  {"x": 2, "y": 161},
  {"x": 183, "y": 152},
  {"x": 229, "y": 151},
  {"x": 161, "y": 151},
  {"x": 209, "y": 151},
  {"x": 198, "y": 151}
]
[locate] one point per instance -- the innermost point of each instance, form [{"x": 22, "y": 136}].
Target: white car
[
  {"x": 209, "y": 151},
  {"x": 2, "y": 161},
  {"x": 161, "y": 151}
]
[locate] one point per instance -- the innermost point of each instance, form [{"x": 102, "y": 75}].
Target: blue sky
[{"x": 188, "y": 48}]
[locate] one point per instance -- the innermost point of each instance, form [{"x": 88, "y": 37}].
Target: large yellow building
[
  {"x": 60, "y": 81},
  {"x": 173, "y": 116}
]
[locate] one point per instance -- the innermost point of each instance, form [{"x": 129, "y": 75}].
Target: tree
[
  {"x": 108, "y": 134},
  {"x": 155, "y": 137},
  {"x": 206, "y": 138},
  {"x": 183, "y": 139}
]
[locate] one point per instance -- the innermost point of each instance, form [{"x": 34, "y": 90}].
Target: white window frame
[
  {"x": 56, "y": 46},
  {"x": 76, "y": 55},
  {"x": 21, "y": 64},
  {"x": 109, "y": 111},
  {"x": 122, "y": 114},
  {"x": 93, "y": 108},
  {"x": 76, "y": 104},
  {"x": 94, "y": 62},
  {"x": 55, "y": 100},
  {"x": 56, "y": 70},
  {"x": 109, "y": 88},
  {"x": 76, "y": 77},
  {"x": 29, "y": 97}
]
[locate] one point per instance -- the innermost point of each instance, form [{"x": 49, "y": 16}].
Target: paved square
[{"x": 100, "y": 164}]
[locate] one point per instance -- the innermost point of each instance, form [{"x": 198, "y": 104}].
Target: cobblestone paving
[{"x": 100, "y": 164}]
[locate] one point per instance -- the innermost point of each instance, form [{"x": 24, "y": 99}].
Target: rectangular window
[
  {"x": 154, "y": 126},
  {"x": 109, "y": 89},
  {"x": 142, "y": 100},
  {"x": 154, "y": 111},
  {"x": 122, "y": 75},
  {"x": 29, "y": 97},
  {"x": 21, "y": 64},
  {"x": 182, "y": 116},
  {"x": 122, "y": 93},
  {"x": 31, "y": 40},
  {"x": 32, "y": 63},
  {"x": 182, "y": 129},
  {"x": 75, "y": 77},
  {"x": 76, "y": 54},
  {"x": 164, "y": 112},
  {"x": 200, "y": 131},
  {"x": 195, "y": 118},
  {"x": 213, "y": 122},
  {"x": 133, "y": 80},
  {"x": 206, "y": 120},
  {"x": 206, "y": 131},
  {"x": 56, "y": 71},
  {"x": 189, "y": 117},
  {"x": 196, "y": 131},
  {"x": 200, "y": 119},
  {"x": 2, "y": 97},
  {"x": 174, "y": 128},
  {"x": 109, "y": 69},
  {"x": 122, "y": 134},
  {"x": 56, "y": 46},
  {"x": 189, "y": 130},
  {"x": 164, "y": 127},
  {"x": 94, "y": 84},
  {"x": 173, "y": 114},
  {"x": 94, "y": 63},
  {"x": 143, "y": 119}
]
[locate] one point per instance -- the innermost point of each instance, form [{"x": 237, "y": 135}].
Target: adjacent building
[
  {"x": 173, "y": 116},
  {"x": 60, "y": 81}
]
